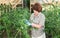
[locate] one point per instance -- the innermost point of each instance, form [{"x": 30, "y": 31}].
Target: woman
[{"x": 38, "y": 21}]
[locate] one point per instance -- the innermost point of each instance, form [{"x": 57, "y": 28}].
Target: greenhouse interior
[{"x": 15, "y": 18}]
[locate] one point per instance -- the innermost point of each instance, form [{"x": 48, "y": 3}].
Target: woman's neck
[{"x": 36, "y": 14}]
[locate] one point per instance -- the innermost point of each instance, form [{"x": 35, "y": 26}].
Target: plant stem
[
  {"x": 7, "y": 31},
  {"x": 17, "y": 33}
]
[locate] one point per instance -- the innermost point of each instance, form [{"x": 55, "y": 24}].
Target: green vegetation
[
  {"x": 52, "y": 14},
  {"x": 12, "y": 22}
]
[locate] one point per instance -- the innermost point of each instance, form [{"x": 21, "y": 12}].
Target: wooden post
[{"x": 31, "y": 4}]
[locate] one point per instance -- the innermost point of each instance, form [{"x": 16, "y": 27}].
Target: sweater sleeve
[{"x": 42, "y": 21}]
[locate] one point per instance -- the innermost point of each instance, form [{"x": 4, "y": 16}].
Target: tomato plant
[
  {"x": 12, "y": 22},
  {"x": 52, "y": 28}
]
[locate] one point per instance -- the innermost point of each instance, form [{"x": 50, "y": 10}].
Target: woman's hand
[
  {"x": 33, "y": 25},
  {"x": 36, "y": 25}
]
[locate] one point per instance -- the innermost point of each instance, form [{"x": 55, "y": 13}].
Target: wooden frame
[
  {"x": 16, "y": 2},
  {"x": 12, "y": 2}
]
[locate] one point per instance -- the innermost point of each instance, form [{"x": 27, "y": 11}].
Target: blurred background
[{"x": 14, "y": 12}]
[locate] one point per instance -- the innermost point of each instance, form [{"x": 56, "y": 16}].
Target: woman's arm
[
  {"x": 41, "y": 23},
  {"x": 37, "y": 25}
]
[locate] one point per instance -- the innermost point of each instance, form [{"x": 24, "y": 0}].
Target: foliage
[
  {"x": 52, "y": 14},
  {"x": 12, "y": 22}
]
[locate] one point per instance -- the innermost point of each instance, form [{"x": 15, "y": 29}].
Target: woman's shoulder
[{"x": 42, "y": 15}]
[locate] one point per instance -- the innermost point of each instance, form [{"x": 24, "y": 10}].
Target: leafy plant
[
  {"x": 12, "y": 22},
  {"x": 52, "y": 14}
]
